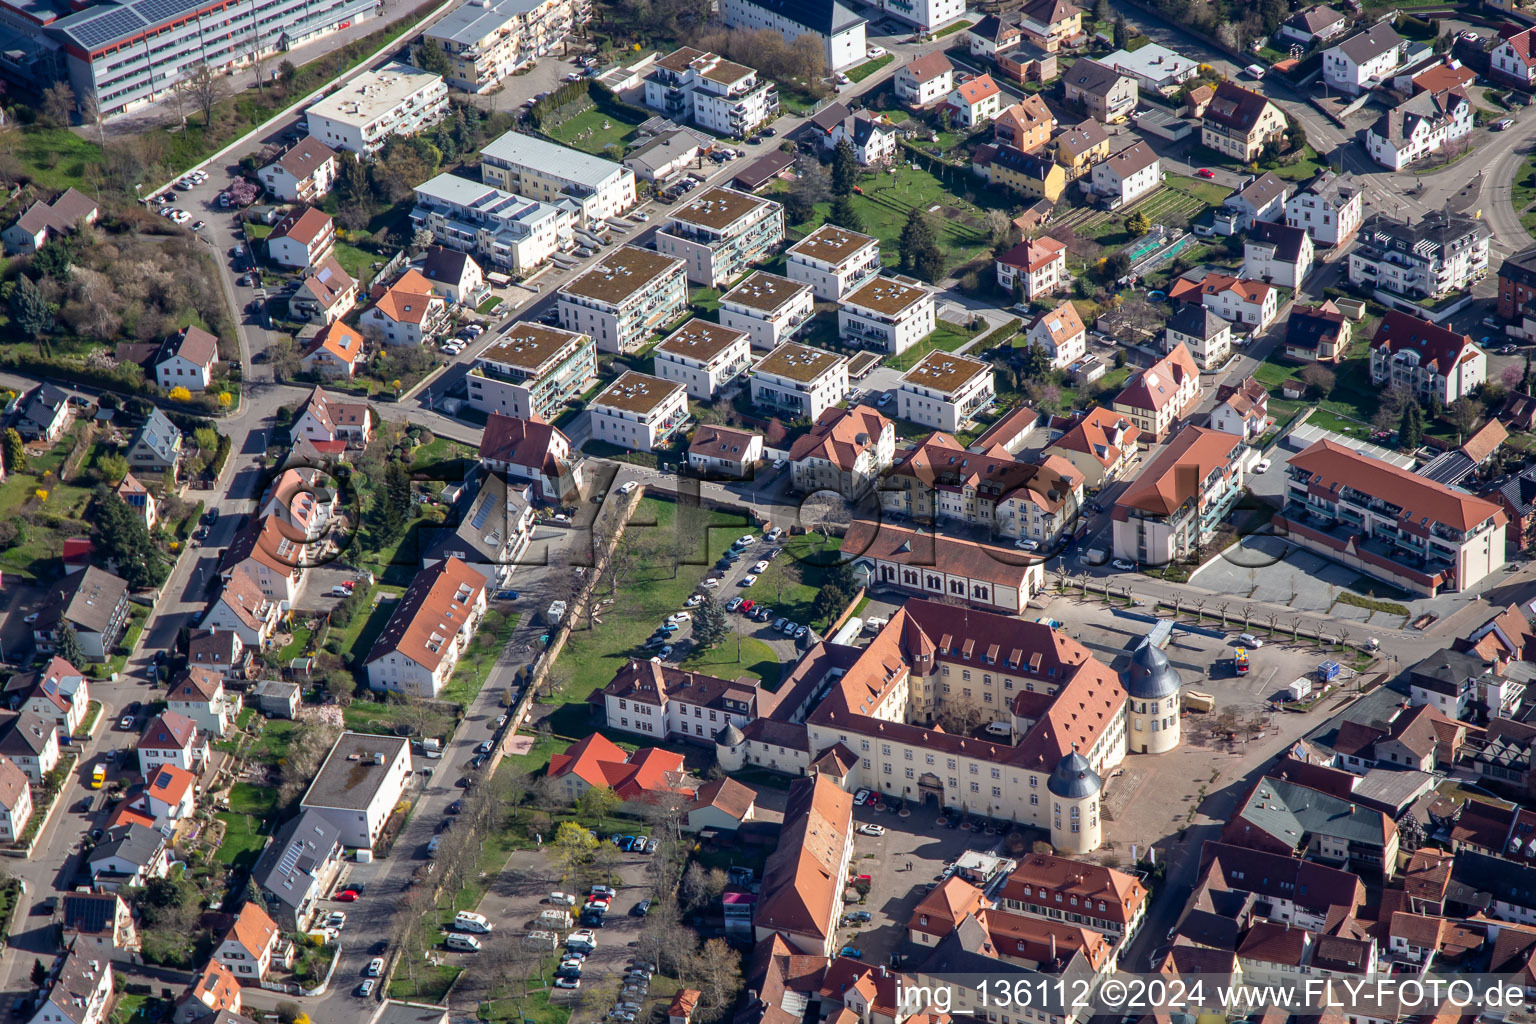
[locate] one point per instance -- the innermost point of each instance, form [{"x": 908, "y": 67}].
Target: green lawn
[
  {"x": 888, "y": 199},
  {"x": 431, "y": 984},
  {"x": 945, "y": 337},
  {"x": 656, "y": 590},
  {"x": 489, "y": 304},
  {"x": 869, "y": 67},
  {"x": 258, "y": 801},
  {"x": 383, "y": 717},
  {"x": 756, "y": 658},
  {"x": 242, "y": 842},
  {"x": 474, "y": 667},
  {"x": 593, "y": 131},
  {"x": 356, "y": 262},
  {"x": 952, "y": 29},
  {"x": 272, "y": 744}
]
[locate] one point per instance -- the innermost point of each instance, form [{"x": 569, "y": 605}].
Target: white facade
[
  {"x": 1128, "y": 175},
  {"x": 624, "y": 297},
  {"x": 769, "y": 308},
  {"x": 702, "y": 357},
  {"x": 1363, "y": 61},
  {"x": 1263, "y": 260},
  {"x": 927, "y": 15},
  {"x": 532, "y": 371},
  {"x": 833, "y": 261},
  {"x": 551, "y": 173},
  {"x": 1327, "y": 210},
  {"x": 359, "y": 785},
  {"x": 1061, "y": 334},
  {"x": 923, "y": 90},
  {"x": 485, "y": 41},
  {"x": 1428, "y": 259},
  {"x": 711, "y": 92},
  {"x": 1422, "y": 126},
  {"x": 841, "y": 33},
  {"x": 889, "y": 315},
  {"x": 395, "y": 100},
  {"x": 799, "y": 380},
  {"x": 721, "y": 233},
  {"x": 1518, "y": 63},
  {"x": 639, "y": 412},
  {"x": 944, "y": 391},
  {"x": 511, "y": 232}
]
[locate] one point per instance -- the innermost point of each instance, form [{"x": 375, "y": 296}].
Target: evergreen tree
[
  {"x": 845, "y": 168},
  {"x": 68, "y": 646},
  {"x": 39, "y": 973},
  {"x": 121, "y": 534},
  {"x": 1122, "y": 33},
  {"x": 919, "y": 249},
  {"x": 844, "y": 215},
  {"x": 15, "y": 451},
  {"x": 397, "y": 489},
  {"x": 1410, "y": 430},
  {"x": 30, "y": 313},
  {"x": 710, "y": 625},
  {"x": 1100, "y": 11}
]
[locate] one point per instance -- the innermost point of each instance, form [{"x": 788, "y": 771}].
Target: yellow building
[
  {"x": 1036, "y": 176},
  {"x": 1080, "y": 147}
]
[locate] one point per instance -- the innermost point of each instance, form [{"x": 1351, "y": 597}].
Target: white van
[
  {"x": 1249, "y": 640},
  {"x": 1000, "y": 729},
  {"x": 562, "y": 899},
  {"x": 463, "y": 943},
  {"x": 465, "y": 921},
  {"x": 874, "y": 624}
]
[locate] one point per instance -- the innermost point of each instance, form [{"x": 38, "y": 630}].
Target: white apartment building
[
  {"x": 624, "y": 297},
  {"x": 944, "y": 391},
  {"x": 1329, "y": 209},
  {"x": 1425, "y": 359},
  {"x": 722, "y": 233},
  {"x": 359, "y": 785},
  {"x": 508, "y": 231},
  {"x": 702, "y": 356},
  {"x": 485, "y": 41},
  {"x": 768, "y": 307},
  {"x": 429, "y": 630},
  {"x": 889, "y": 314},
  {"x": 1441, "y": 253},
  {"x": 1177, "y": 502},
  {"x": 1364, "y": 60},
  {"x": 639, "y": 412},
  {"x": 927, "y": 15},
  {"x": 303, "y": 174},
  {"x": 1206, "y": 336},
  {"x": 797, "y": 381},
  {"x": 840, "y": 31},
  {"x": 711, "y": 92},
  {"x": 551, "y": 173},
  {"x": 123, "y": 56},
  {"x": 532, "y": 371},
  {"x": 395, "y": 100},
  {"x": 833, "y": 261},
  {"x": 1419, "y": 127}
]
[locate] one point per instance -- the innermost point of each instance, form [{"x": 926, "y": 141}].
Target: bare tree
[
  {"x": 716, "y": 973},
  {"x": 206, "y": 87},
  {"x": 58, "y": 104},
  {"x": 306, "y": 752}
]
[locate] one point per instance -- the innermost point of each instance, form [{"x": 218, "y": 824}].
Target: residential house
[
  {"x": 1426, "y": 359},
  {"x": 213, "y": 993},
  {"x": 1514, "y": 59},
  {"x": 300, "y": 499},
  {"x": 1105, "y": 93},
  {"x": 156, "y": 446},
  {"x": 1241, "y": 409},
  {"x": 924, "y": 81},
  {"x": 515, "y": 234},
  {"x": 945, "y": 390},
  {"x": 31, "y": 743},
  {"x": 489, "y": 526},
  {"x": 1365, "y": 60},
  {"x": 667, "y": 156},
  {"x": 702, "y": 356},
  {"x": 1100, "y": 444},
  {"x": 46, "y": 222},
  {"x": 846, "y": 451},
  {"x": 15, "y": 800},
  {"x": 975, "y": 100},
  {"x": 94, "y": 603},
  {"x": 138, "y": 497},
  {"x": 220, "y": 651},
  {"x": 1128, "y": 175},
  {"x": 1026, "y": 126},
  {"x": 1160, "y": 396},
  {"x": 1155, "y": 68},
  {"x": 127, "y": 856},
  {"x": 1252, "y": 303},
  {"x": 1033, "y": 269},
  {"x": 709, "y": 91},
  {"x": 98, "y": 923},
  {"x": 1260, "y": 200},
  {"x": 78, "y": 990},
  {"x": 1462, "y": 686},
  {"x": 1175, "y": 505},
  {"x": 1313, "y": 25},
  {"x": 1240, "y": 122},
  {"x": 1328, "y": 208},
  {"x": 769, "y": 308},
  {"x": 1419, "y": 127},
  {"x": 169, "y": 794},
  {"x": 800, "y": 381},
  {"x": 243, "y": 610},
  {"x": 199, "y": 695},
  {"x": 833, "y": 261},
  {"x": 431, "y": 626},
  {"x": 869, "y": 132},
  {"x": 272, "y": 554},
  {"x": 1354, "y": 509},
  {"x": 720, "y": 234},
  {"x": 1278, "y": 254},
  {"x": 45, "y": 414},
  {"x": 326, "y": 418},
  {"x": 326, "y": 294},
  {"x": 1050, "y": 24},
  {"x": 722, "y": 451},
  {"x": 1081, "y": 146},
  {"x": 1516, "y": 494},
  {"x": 992, "y": 34},
  {"x": 889, "y": 315},
  {"x": 1517, "y": 284},
  {"x": 1442, "y": 253},
  {"x": 1060, "y": 334},
  {"x": 406, "y": 312},
  {"x": 1319, "y": 333},
  {"x": 722, "y": 804},
  {"x": 186, "y": 359},
  {"x": 298, "y": 868},
  {"x": 1035, "y": 175},
  {"x": 639, "y": 776},
  {"x": 1285, "y": 818},
  {"x": 910, "y": 561},
  {"x": 336, "y": 352},
  {"x": 359, "y": 785},
  {"x": 839, "y": 31},
  {"x": 303, "y": 174},
  {"x": 1110, "y": 902},
  {"x": 532, "y": 450},
  {"x": 639, "y": 412},
  {"x": 1206, "y": 336},
  {"x": 57, "y": 692},
  {"x": 1447, "y": 73},
  {"x": 174, "y": 739},
  {"x": 302, "y": 239},
  {"x": 251, "y": 944},
  {"x": 455, "y": 276}
]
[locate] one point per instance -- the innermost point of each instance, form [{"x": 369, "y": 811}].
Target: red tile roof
[
  {"x": 1333, "y": 466},
  {"x": 1161, "y": 382},
  {"x": 430, "y": 613},
  {"x": 1178, "y": 472},
  {"x": 1435, "y": 346},
  {"x": 840, "y": 436},
  {"x": 977, "y": 90}
]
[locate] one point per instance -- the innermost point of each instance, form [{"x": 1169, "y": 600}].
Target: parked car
[{"x": 365, "y": 989}]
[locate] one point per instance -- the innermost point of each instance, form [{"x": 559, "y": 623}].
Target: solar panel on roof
[
  {"x": 106, "y": 26},
  {"x": 483, "y": 514}
]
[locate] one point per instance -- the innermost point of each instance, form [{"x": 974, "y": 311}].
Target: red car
[
  {"x": 346, "y": 896},
  {"x": 747, "y": 606},
  {"x": 1205, "y": 172}
]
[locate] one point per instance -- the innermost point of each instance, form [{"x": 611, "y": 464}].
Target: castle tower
[
  {"x": 1152, "y": 688},
  {"x": 1075, "y": 787},
  {"x": 731, "y": 748}
]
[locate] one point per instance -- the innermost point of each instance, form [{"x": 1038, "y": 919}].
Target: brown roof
[
  {"x": 623, "y": 272},
  {"x": 1062, "y": 323},
  {"x": 1133, "y": 158},
  {"x": 1080, "y": 138},
  {"x": 196, "y": 685},
  {"x": 637, "y": 392},
  {"x": 840, "y": 436},
  {"x": 328, "y": 283},
  {"x": 945, "y": 906},
  {"x": 1436, "y": 346},
  {"x": 528, "y": 443},
  {"x": 303, "y": 226},
  {"x": 1274, "y": 943},
  {"x": 802, "y": 886},
  {"x": 304, "y": 156},
  {"x": 887, "y": 295},
  {"x": 889, "y": 542},
  {"x": 646, "y": 682},
  {"x": 945, "y": 372},
  {"x": 1160, "y": 383},
  {"x": 721, "y": 443},
  {"x": 727, "y": 795},
  {"x": 1236, "y": 108},
  {"x": 929, "y": 65},
  {"x": 1332, "y": 466},
  {"x": 1178, "y": 472},
  {"x": 13, "y": 783},
  {"x": 1355, "y": 739},
  {"x": 718, "y": 208},
  {"x": 765, "y": 291},
  {"x": 1102, "y": 433},
  {"x": 169, "y": 730},
  {"x": 832, "y": 244},
  {"x": 264, "y": 541},
  {"x": 193, "y": 344},
  {"x": 1034, "y": 254},
  {"x": 531, "y": 346},
  {"x": 430, "y": 612},
  {"x": 1041, "y": 876},
  {"x": 797, "y": 362},
  {"x": 1481, "y": 445},
  {"x": 699, "y": 339}
]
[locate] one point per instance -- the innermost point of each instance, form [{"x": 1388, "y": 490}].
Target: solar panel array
[{"x": 105, "y": 24}]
